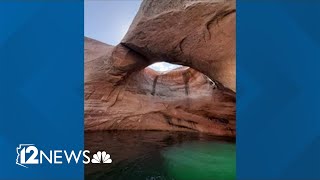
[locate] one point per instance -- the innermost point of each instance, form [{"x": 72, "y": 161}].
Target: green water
[
  {"x": 204, "y": 161},
  {"x": 153, "y": 155}
]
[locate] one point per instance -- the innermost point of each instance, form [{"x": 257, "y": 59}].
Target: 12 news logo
[{"x": 28, "y": 154}]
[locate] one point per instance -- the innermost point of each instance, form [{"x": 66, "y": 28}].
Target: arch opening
[
  {"x": 134, "y": 96},
  {"x": 164, "y": 66}
]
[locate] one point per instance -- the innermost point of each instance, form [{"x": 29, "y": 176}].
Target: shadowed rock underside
[{"x": 122, "y": 93}]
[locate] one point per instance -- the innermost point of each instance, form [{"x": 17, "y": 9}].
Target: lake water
[{"x": 157, "y": 155}]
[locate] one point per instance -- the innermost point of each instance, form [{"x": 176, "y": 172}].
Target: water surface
[{"x": 157, "y": 155}]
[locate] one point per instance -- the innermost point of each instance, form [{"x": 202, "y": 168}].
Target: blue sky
[{"x": 108, "y": 21}]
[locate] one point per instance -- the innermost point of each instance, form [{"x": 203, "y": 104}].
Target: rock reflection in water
[{"x": 136, "y": 154}]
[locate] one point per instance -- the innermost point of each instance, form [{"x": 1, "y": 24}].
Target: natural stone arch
[
  {"x": 119, "y": 91},
  {"x": 195, "y": 33}
]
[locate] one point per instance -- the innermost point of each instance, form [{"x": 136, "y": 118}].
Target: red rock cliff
[{"x": 121, "y": 93}]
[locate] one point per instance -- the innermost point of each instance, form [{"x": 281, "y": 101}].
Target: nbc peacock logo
[{"x": 101, "y": 157}]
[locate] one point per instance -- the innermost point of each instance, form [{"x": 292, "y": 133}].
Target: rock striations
[
  {"x": 122, "y": 93},
  {"x": 195, "y": 33}
]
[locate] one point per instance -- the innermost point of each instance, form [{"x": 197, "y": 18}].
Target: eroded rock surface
[
  {"x": 195, "y": 33},
  {"x": 120, "y": 93}
]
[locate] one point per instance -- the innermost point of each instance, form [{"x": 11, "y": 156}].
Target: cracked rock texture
[{"x": 121, "y": 93}]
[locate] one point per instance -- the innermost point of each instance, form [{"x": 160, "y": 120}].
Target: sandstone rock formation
[
  {"x": 122, "y": 93},
  {"x": 195, "y": 33}
]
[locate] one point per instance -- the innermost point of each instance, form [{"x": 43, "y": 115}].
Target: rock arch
[{"x": 121, "y": 93}]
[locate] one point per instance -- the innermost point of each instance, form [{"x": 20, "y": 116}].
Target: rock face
[
  {"x": 195, "y": 33},
  {"x": 122, "y": 93}
]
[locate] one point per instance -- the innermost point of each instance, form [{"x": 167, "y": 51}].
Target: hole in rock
[
  {"x": 164, "y": 66},
  {"x": 172, "y": 80}
]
